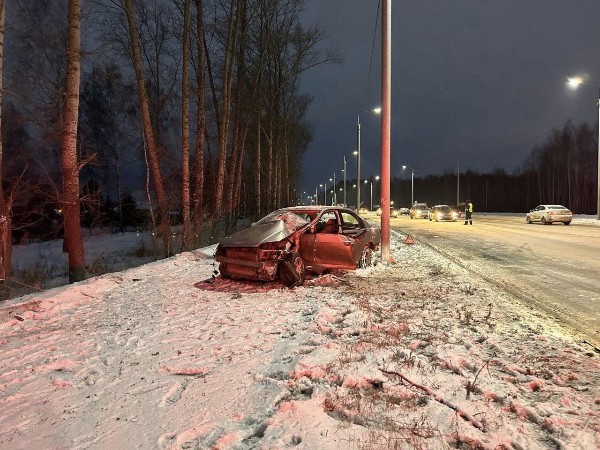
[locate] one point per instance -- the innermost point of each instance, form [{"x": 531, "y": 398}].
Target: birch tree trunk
[
  {"x": 185, "y": 126},
  {"x": 5, "y": 213},
  {"x": 163, "y": 216},
  {"x": 70, "y": 165}
]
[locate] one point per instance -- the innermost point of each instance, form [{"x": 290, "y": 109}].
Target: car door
[
  {"x": 328, "y": 248},
  {"x": 535, "y": 213}
]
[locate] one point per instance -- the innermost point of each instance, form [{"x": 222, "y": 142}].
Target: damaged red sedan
[{"x": 291, "y": 241}]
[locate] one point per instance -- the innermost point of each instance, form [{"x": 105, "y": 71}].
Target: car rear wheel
[
  {"x": 292, "y": 270},
  {"x": 528, "y": 219},
  {"x": 544, "y": 221},
  {"x": 567, "y": 223},
  {"x": 366, "y": 257}
]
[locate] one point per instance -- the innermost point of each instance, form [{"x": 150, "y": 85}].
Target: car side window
[
  {"x": 330, "y": 222},
  {"x": 541, "y": 208},
  {"x": 350, "y": 223}
]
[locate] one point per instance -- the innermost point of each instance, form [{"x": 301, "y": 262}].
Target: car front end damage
[{"x": 250, "y": 263}]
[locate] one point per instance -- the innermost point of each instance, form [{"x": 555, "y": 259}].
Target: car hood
[{"x": 257, "y": 235}]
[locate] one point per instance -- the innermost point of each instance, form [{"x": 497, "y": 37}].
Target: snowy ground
[{"x": 414, "y": 354}]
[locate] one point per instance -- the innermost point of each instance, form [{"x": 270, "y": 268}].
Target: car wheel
[
  {"x": 567, "y": 223},
  {"x": 366, "y": 257},
  {"x": 544, "y": 221},
  {"x": 292, "y": 270},
  {"x": 528, "y": 219},
  {"x": 223, "y": 271}
]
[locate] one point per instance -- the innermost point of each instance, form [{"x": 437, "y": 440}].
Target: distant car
[
  {"x": 548, "y": 214},
  {"x": 363, "y": 211},
  {"x": 404, "y": 211},
  {"x": 393, "y": 212},
  {"x": 291, "y": 241},
  {"x": 442, "y": 212},
  {"x": 419, "y": 211}
]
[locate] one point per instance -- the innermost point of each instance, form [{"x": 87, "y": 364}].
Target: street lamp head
[
  {"x": 320, "y": 185},
  {"x": 574, "y": 82},
  {"x": 403, "y": 167},
  {"x": 377, "y": 110},
  {"x": 377, "y": 177},
  {"x": 366, "y": 181},
  {"x": 355, "y": 152}
]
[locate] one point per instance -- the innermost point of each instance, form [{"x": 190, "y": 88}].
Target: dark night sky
[{"x": 475, "y": 80}]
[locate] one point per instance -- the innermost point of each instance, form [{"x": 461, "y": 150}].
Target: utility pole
[
  {"x": 457, "y": 182},
  {"x": 386, "y": 90},
  {"x": 345, "y": 203}
]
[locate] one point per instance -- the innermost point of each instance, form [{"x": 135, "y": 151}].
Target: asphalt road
[{"x": 554, "y": 268}]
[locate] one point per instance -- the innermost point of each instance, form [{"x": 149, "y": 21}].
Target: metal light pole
[
  {"x": 412, "y": 186},
  {"x": 317, "y": 195},
  {"x": 457, "y": 182},
  {"x": 386, "y": 90},
  {"x": 574, "y": 83},
  {"x": 358, "y": 160},
  {"x": 345, "y": 203}
]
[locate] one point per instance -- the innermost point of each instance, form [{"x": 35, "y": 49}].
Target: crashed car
[{"x": 291, "y": 241}]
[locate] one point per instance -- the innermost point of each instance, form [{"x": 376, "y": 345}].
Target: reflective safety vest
[{"x": 469, "y": 207}]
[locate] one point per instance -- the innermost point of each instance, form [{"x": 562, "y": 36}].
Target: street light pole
[
  {"x": 412, "y": 186},
  {"x": 358, "y": 161},
  {"x": 386, "y": 92},
  {"x": 345, "y": 203},
  {"x": 457, "y": 182},
  {"x": 334, "y": 193}
]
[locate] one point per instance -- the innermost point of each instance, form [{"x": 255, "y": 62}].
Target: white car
[{"x": 548, "y": 214}]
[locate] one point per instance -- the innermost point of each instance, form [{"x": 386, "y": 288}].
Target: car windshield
[
  {"x": 293, "y": 220},
  {"x": 444, "y": 208}
]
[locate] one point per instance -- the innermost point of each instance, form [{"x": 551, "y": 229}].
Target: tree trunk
[
  {"x": 5, "y": 213},
  {"x": 70, "y": 168},
  {"x": 201, "y": 122},
  {"x": 229, "y": 58},
  {"x": 185, "y": 127},
  {"x": 163, "y": 216}
]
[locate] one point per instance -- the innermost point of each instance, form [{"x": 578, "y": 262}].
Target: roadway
[{"x": 554, "y": 268}]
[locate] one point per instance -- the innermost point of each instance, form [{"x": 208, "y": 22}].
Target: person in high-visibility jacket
[{"x": 469, "y": 212}]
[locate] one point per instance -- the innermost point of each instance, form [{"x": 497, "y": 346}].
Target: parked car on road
[
  {"x": 419, "y": 211},
  {"x": 548, "y": 214},
  {"x": 404, "y": 211},
  {"x": 442, "y": 212},
  {"x": 291, "y": 241}
]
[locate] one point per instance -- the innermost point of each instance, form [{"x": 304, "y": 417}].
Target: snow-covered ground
[{"x": 415, "y": 354}]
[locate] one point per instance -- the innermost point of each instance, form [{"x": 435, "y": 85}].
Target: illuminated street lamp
[
  {"x": 574, "y": 83},
  {"x": 357, "y": 152},
  {"x": 334, "y": 197},
  {"x": 412, "y": 184},
  {"x": 376, "y": 179}
]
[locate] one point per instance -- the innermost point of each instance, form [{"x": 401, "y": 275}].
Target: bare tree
[
  {"x": 149, "y": 140},
  {"x": 197, "y": 197},
  {"x": 70, "y": 165},
  {"x": 185, "y": 125},
  {"x": 5, "y": 214}
]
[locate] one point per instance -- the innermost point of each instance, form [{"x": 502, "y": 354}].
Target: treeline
[
  {"x": 562, "y": 169},
  {"x": 194, "y": 103}
]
